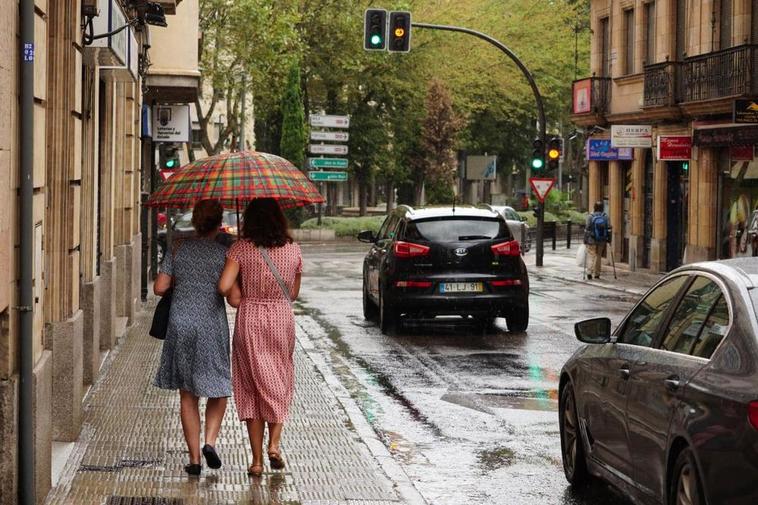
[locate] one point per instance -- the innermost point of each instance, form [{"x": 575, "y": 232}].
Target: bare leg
[
  {"x": 274, "y": 436},
  {"x": 191, "y": 424},
  {"x": 255, "y": 432},
  {"x": 214, "y": 414}
]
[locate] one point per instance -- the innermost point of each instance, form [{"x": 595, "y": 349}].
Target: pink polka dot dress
[{"x": 263, "y": 372}]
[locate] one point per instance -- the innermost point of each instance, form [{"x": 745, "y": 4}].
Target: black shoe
[
  {"x": 589, "y": 277},
  {"x": 193, "y": 469},
  {"x": 211, "y": 457}
]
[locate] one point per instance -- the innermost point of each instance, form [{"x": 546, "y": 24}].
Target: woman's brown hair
[
  {"x": 264, "y": 224},
  {"x": 207, "y": 216}
]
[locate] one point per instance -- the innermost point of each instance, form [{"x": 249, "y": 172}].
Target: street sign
[
  {"x": 327, "y": 149},
  {"x": 326, "y": 121},
  {"x": 336, "y": 136},
  {"x": 541, "y": 187},
  {"x": 327, "y": 176},
  {"x": 328, "y": 163},
  {"x": 171, "y": 123}
]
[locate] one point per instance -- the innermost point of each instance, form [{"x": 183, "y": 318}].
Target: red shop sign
[
  {"x": 741, "y": 153},
  {"x": 674, "y": 148}
]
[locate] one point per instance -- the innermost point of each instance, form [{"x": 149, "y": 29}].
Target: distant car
[
  {"x": 445, "y": 261},
  {"x": 519, "y": 228},
  {"x": 182, "y": 227},
  {"x": 666, "y": 406}
]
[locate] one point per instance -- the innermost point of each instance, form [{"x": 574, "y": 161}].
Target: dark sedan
[{"x": 666, "y": 406}]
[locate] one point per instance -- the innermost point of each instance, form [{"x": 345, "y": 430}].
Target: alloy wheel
[
  {"x": 570, "y": 433},
  {"x": 685, "y": 493}
]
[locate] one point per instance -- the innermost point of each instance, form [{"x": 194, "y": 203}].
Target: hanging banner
[
  {"x": 582, "y": 96},
  {"x": 674, "y": 148},
  {"x": 601, "y": 150}
]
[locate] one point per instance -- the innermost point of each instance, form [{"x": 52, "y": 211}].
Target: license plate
[{"x": 461, "y": 287}]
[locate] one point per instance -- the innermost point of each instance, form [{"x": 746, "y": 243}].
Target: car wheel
[
  {"x": 686, "y": 488},
  {"x": 518, "y": 320},
  {"x": 387, "y": 315},
  {"x": 369, "y": 307},
  {"x": 572, "y": 450}
]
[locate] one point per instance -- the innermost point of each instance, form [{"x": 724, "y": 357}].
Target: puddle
[
  {"x": 493, "y": 459},
  {"x": 545, "y": 400}
]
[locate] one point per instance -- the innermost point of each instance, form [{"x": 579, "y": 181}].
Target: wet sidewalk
[{"x": 131, "y": 450}]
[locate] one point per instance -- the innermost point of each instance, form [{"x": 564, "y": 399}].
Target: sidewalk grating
[{"x": 132, "y": 451}]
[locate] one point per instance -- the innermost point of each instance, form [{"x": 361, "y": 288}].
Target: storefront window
[{"x": 739, "y": 204}]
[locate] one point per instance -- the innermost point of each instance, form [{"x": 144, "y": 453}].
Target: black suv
[{"x": 445, "y": 261}]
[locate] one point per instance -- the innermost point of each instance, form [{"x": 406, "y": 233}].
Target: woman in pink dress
[{"x": 262, "y": 277}]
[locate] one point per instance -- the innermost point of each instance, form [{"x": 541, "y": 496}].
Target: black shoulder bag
[{"x": 160, "y": 317}]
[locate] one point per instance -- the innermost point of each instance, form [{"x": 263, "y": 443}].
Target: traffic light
[
  {"x": 554, "y": 151},
  {"x": 400, "y": 32},
  {"x": 375, "y": 30},
  {"x": 168, "y": 157},
  {"x": 537, "y": 211},
  {"x": 538, "y": 155}
]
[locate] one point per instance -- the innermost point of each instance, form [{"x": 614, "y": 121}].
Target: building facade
[
  {"x": 88, "y": 96},
  {"x": 673, "y": 81}
]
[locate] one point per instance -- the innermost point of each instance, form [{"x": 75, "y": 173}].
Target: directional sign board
[
  {"x": 328, "y": 163},
  {"x": 326, "y": 121},
  {"x": 327, "y": 149},
  {"x": 541, "y": 187},
  {"x": 327, "y": 176},
  {"x": 336, "y": 136}
]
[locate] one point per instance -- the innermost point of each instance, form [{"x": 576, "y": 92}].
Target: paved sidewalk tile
[{"x": 132, "y": 452}]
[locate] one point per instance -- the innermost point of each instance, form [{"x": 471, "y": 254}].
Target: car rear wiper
[{"x": 474, "y": 237}]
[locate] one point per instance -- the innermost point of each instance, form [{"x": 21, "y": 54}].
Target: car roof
[
  {"x": 745, "y": 269},
  {"x": 448, "y": 211}
]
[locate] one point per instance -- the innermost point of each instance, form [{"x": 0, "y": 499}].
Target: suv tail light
[
  {"x": 510, "y": 248},
  {"x": 752, "y": 414},
  {"x": 413, "y": 284},
  {"x": 506, "y": 282},
  {"x": 409, "y": 250}
]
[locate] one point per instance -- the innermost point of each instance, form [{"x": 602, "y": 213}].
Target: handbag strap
[{"x": 277, "y": 275}]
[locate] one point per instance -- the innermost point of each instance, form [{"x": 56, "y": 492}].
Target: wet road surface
[{"x": 470, "y": 416}]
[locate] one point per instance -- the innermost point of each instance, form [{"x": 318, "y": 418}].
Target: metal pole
[
  {"x": 26, "y": 258},
  {"x": 537, "y": 98},
  {"x": 243, "y": 114}
]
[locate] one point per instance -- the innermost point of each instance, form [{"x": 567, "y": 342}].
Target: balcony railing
[
  {"x": 661, "y": 81},
  {"x": 721, "y": 74},
  {"x": 591, "y": 95}
]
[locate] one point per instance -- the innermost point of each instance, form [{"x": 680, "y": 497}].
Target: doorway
[
  {"x": 676, "y": 213},
  {"x": 647, "y": 230}
]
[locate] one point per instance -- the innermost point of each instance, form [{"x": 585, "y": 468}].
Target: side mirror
[
  {"x": 367, "y": 236},
  {"x": 594, "y": 331}
]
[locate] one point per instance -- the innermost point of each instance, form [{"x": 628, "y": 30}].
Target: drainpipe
[{"x": 26, "y": 257}]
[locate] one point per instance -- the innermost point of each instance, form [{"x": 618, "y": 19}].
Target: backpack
[{"x": 599, "y": 228}]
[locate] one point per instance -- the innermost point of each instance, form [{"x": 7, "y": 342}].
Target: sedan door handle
[
  {"x": 672, "y": 383},
  {"x": 624, "y": 372}
]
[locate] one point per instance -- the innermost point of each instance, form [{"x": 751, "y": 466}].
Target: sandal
[
  {"x": 275, "y": 459},
  {"x": 255, "y": 470}
]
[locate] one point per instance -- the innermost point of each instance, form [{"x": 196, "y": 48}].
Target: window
[
  {"x": 605, "y": 48},
  {"x": 456, "y": 229},
  {"x": 387, "y": 231},
  {"x": 642, "y": 324},
  {"x": 681, "y": 29},
  {"x": 650, "y": 33},
  {"x": 725, "y": 24},
  {"x": 629, "y": 49},
  {"x": 690, "y": 316},
  {"x": 714, "y": 330}
]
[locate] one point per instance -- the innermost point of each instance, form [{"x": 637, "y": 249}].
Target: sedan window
[
  {"x": 690, "y": 315},
  {"x": 643, "y": 323},
  {"x": 714, "y": 330}
]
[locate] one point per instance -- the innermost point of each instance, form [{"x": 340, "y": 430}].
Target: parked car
[
  {"x": 181, "y": 226},
  {"x": 519, "y": 228},
  {"x": 445, "y": 261},
  {"x": 666, "y": 406}
]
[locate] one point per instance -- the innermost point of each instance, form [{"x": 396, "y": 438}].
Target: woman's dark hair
[
  {"x": 264, "y": 224},
  {"x": 207, "y": 216}
]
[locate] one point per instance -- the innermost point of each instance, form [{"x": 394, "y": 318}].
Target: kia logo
[{"x": 461, "y": 251}]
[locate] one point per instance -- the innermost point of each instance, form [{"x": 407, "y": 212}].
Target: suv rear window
[{"x": 456, "y": 229}]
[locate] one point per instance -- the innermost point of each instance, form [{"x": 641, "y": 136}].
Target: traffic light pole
[{"x": 537, "y": 98}]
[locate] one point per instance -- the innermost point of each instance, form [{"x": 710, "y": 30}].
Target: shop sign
[
  {"x": 171, "y": 123},
  {"x": 725, "y": 137},
  {"x": 601, "y": 150},
  {"x": 745, "y": 111},
  {"x": 111, "y": 18},
  {"x": 640, "y": 136},
  {"x": 582, "y": 96},
  {"x": 481, "y": 168},
  {"x": 674, "y": 148},
  {"x": 741, "y": 153}
]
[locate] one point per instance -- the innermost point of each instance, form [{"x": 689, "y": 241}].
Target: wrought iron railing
[
  {"x": 661, "y": 84},
  {"x": 600, "y": 95},
  {"x": 725, "y": 73}
]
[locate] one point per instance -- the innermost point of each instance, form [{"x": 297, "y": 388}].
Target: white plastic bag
[{"x": 581, "y": 254}]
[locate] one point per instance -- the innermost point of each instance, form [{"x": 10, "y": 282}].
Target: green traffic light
[
  {"x": 170, "y": 163},
  {"x": 686, "y": 166},
  {"x": 376, "y": 40},
  {"x": 537, "y": 163}
]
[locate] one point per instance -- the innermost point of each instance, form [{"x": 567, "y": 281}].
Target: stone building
[
  {"x": 88, "y": 97},
  {"x": 686, "y": 187}
]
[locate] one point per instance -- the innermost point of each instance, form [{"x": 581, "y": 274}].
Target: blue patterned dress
[{"x": 196, "y": 350}]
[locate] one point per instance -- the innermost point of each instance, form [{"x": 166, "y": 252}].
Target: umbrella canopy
[{"x": 234, "y": 177}]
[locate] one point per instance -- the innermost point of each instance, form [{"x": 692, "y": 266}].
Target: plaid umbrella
[{"x": 235, "y": 177}]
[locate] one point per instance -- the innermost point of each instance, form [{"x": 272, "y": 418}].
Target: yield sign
[{"x": 541, "y": 187}]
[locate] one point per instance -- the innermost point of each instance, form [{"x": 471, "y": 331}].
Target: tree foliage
[{"x": 293, "y": 120}]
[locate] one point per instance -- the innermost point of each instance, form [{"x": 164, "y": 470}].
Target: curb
[{"x": 595, "y": 284}]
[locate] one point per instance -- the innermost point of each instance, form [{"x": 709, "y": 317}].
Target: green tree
[{"x": 292, "y": 145}]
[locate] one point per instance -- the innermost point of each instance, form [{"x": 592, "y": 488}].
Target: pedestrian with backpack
[{"x": 596, "y": 236}]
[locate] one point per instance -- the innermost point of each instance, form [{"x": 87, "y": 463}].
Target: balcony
[
  {"x": 591, "y": 98},
  {"x": 722, "y": 74},
  {"x": 661, "y": 84}
]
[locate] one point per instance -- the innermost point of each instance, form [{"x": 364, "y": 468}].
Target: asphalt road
[{"x": 470, "y": 417}]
